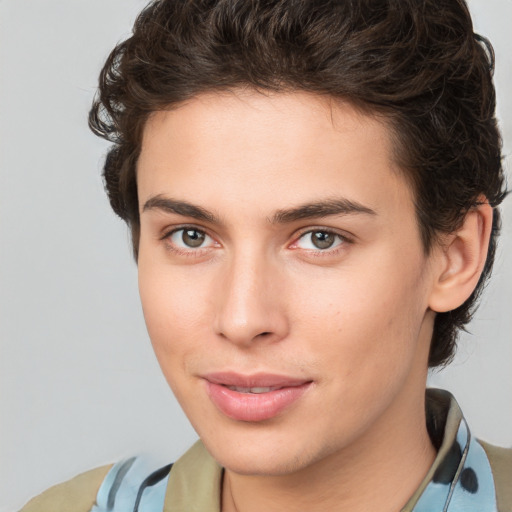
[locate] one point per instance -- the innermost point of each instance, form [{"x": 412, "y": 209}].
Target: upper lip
[{"x": 260, "y": 380}]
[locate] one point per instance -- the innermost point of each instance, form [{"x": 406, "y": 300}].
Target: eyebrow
[
  {"x": 338, "y": 206},
  {"x": 329, "y": 207},
  {"x": 180, "y": 208}
]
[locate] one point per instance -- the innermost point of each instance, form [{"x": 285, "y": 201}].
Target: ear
[{"x": 461, "y": 260}]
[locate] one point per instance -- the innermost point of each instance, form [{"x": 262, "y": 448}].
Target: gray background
[{"x": 79, "y": 384}]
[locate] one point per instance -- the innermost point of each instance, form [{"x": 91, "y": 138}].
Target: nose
[{"x": 249, "y": 304}]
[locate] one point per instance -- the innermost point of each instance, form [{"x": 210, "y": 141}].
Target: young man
[{"x": 312, "y": 190}]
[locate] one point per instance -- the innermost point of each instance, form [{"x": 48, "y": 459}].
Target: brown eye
[
  {"x": 322, "y": 239},
  {"x": 319, "y": 240},
  {"x": 190, "y": 238}
]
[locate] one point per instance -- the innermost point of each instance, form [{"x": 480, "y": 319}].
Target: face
[{"x": 282, "y": 276}]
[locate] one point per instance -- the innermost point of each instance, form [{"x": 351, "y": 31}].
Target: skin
[{"x": 355, "y": 319}]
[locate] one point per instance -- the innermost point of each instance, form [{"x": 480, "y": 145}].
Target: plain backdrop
[{"x": 79, "y": 385}]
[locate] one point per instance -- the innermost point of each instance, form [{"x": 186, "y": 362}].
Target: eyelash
[
  {"x": 344, "y": 240},
  {"x": 190, "y": 252},
  {"x": 197, "y": 252}
]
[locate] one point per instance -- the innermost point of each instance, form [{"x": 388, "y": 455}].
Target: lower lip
[{"x": 254, "y": 406}]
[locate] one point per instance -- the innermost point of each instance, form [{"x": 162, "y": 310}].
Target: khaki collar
[{"x": 195, "y": 483}]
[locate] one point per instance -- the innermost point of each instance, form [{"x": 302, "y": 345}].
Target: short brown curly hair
[{"x": 418, "y": 63}]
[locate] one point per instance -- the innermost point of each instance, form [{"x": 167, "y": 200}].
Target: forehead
[{"x": 249, "y": 146}]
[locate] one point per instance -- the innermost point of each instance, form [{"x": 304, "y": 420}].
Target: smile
[
  {"x": 254, "y": 398},
  {"x": 251, "y": 390}
]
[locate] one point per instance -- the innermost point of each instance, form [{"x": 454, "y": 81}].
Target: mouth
[
  {"x": 255, "y": 390},
  {"x": 254, "y": 398}
]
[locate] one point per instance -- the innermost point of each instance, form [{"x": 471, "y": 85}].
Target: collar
[{"x": 460, "y": 479}]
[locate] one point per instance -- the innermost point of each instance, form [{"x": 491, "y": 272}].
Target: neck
[{"x": 379, "y": 471}]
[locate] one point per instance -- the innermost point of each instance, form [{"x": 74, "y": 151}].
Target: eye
[
  {"x": 190, "y": 238},
  {"x": 319, "y": 240}
]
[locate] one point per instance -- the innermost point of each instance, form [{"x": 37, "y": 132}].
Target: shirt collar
[{"x": 460, "y": 479}]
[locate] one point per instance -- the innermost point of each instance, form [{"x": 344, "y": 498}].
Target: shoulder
[
  {"x": 500, "y": 460},
  {"x": 77, "y": 494},
  {"x": 139, "y": 484},
  {"x": 133, "y": 484}
]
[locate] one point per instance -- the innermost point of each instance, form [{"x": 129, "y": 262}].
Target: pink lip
[{"x": 253, "y": 406}]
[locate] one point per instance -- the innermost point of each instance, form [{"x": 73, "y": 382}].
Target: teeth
[{"x": 251, "y": 390}]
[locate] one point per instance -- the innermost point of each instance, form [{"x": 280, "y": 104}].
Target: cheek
[
  {"x": 174, "y": 309},
  {"x": 365, "y": 319}
]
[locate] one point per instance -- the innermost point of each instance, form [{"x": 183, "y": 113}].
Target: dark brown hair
[{"x": 415, "y": 62}]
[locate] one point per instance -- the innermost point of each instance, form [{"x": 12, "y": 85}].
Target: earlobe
[{"x": 462, "y": 259}]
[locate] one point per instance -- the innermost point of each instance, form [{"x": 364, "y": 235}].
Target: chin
[
  {"x": 262, "y": 465},
  {"x": 252, "y": 455}
]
